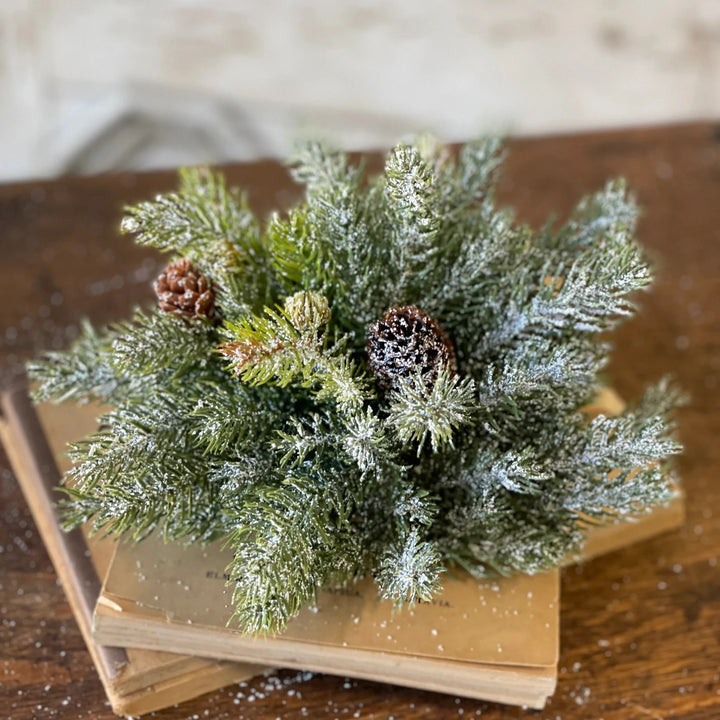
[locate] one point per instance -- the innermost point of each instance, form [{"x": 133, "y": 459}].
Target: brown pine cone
[
  {"x": 408, "y": 342},
  {"x": 184, "y": 291}
]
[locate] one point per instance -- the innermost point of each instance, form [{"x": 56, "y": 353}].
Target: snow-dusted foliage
[{"x": 265, "y": 425}]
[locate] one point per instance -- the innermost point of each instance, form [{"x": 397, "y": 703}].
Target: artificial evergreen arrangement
[{"x": 387, "y": 379}]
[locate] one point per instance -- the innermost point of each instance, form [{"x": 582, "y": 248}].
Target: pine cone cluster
[
  {"x": 182, "y": 290},
  {"x": 407, "y": 342}
]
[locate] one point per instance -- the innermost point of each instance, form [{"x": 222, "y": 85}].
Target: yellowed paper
[{"x": 509, "y": 621}]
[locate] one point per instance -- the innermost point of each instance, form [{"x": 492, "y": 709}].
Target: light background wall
[{"x": 93, "y": 85}]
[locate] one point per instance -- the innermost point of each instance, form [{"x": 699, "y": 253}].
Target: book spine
[{"x": 39, "y": 478}]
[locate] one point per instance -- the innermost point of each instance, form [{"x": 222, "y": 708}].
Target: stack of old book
[{"x": 154, "y": 615}]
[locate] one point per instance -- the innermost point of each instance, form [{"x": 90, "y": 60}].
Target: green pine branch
[
  {"x": 212, "y": 226},
  {"x": 84, "y": 373},
  {"x": 410, "y": 570},
  {"x": 153, "y": 342},
  {"x": 281, "y": 349}
]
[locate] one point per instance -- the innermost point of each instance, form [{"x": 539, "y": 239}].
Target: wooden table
[{"x": 640, "y": 628}]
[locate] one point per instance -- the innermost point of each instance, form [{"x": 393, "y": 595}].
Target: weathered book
[
  {"x": 136, "y": 681},
  {"x": 494, "y": 640}
]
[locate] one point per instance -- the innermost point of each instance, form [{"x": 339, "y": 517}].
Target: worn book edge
[
  {"x": 516, "y": 685},
  {"x": 154, "y": 604}
]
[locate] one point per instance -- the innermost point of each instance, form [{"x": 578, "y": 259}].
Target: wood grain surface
[{"x": 640, "y": 628}]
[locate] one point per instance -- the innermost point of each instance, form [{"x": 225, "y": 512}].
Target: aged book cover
[{"x": 136, "y": 681}]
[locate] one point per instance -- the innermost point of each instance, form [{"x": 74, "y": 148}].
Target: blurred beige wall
[{"x": 93, "y": 85}]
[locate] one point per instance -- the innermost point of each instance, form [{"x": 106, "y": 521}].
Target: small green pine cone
[{"x": 308, "y": 311}]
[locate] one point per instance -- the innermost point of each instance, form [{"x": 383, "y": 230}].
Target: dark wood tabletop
[{"x": 640, "y": 634}]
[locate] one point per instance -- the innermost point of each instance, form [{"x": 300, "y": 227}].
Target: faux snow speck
[{"x": 270, "y": 429}]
